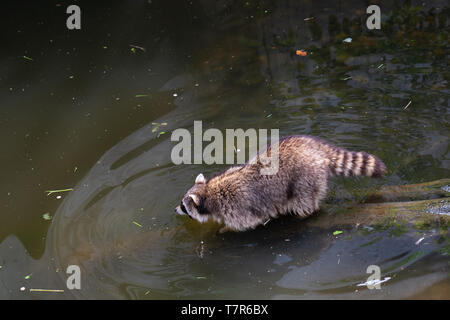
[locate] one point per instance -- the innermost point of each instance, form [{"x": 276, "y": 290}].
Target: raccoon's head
[{"x": 193, "y": 203}]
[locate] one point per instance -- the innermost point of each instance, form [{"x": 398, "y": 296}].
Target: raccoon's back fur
[{"x": 242, "y": 198}]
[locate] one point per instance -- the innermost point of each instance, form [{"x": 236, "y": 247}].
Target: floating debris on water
[
  {"x": 156, "y": 125},
  {"x": 138, "y": 224},
  {"x": 373, "y": 282},
  {"x": 446, "y": 188},
  {"x": 49, "y": 192},
  {"x": 27, "y": 58},
  {"x": 419, "y": 241},
  {"x": 43, "y": 290},
  {"x": 301, "y": 53},
  {"x": 137, "y": 47},
  {"x": 335, "y": 233},
  {"x": 347, "y": 40},
  {"x": 407, "y": 105},
  {"x": 47, "y": 216}
]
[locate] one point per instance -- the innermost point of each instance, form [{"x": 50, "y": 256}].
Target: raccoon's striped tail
[{"x": 349, "y": 163}]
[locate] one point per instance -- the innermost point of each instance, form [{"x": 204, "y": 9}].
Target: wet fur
[{"x": 242, "y": 198}]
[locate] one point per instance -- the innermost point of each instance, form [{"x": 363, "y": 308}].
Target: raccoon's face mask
[{"x": 193, "y": 203}]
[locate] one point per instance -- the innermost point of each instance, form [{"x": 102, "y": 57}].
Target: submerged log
[
  {"x": 422, "y": 205},
  {"x": 411, "y": 192}
]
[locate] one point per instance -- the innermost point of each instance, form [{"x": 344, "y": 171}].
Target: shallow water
[{"x": 88, "y": 113}]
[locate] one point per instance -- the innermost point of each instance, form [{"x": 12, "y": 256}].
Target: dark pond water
[{"x": 93, "y": 110}]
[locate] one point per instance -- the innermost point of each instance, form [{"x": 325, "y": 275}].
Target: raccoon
[{"x": 242, "y": 198}]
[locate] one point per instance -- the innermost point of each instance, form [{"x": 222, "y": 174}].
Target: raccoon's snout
[{"x": 181, "y": 210}]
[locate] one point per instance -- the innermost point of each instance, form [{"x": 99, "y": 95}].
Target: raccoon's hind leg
[{"x": 305, "y": 200}]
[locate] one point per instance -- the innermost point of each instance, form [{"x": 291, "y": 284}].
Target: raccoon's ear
[
  {"x": 200, "y": 178},
  {"x": 195, "y": 198}
]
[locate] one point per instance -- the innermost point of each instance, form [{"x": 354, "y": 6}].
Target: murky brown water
[{"x": 84, "y": 110}]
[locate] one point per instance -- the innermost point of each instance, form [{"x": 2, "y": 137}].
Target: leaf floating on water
[
  {"x": 407, "y": 105},
  {"x": 156, "y": 126},
  {"x": 28, "y": 276},
  {"x": 138, "y": 224},
  {"x": 47, "y": 216},
  {"x": 141, "y": 95},
  {"x": 419, "y": 241},
  {"x": 136, "y": 47},
  {"x": 335, "y": 233},
  {"x": 46, "y": 290},
  {"x": 27, "y": 58},
  {"x": 373, "y": 282},
  {"x": 49, "y": 192}
]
